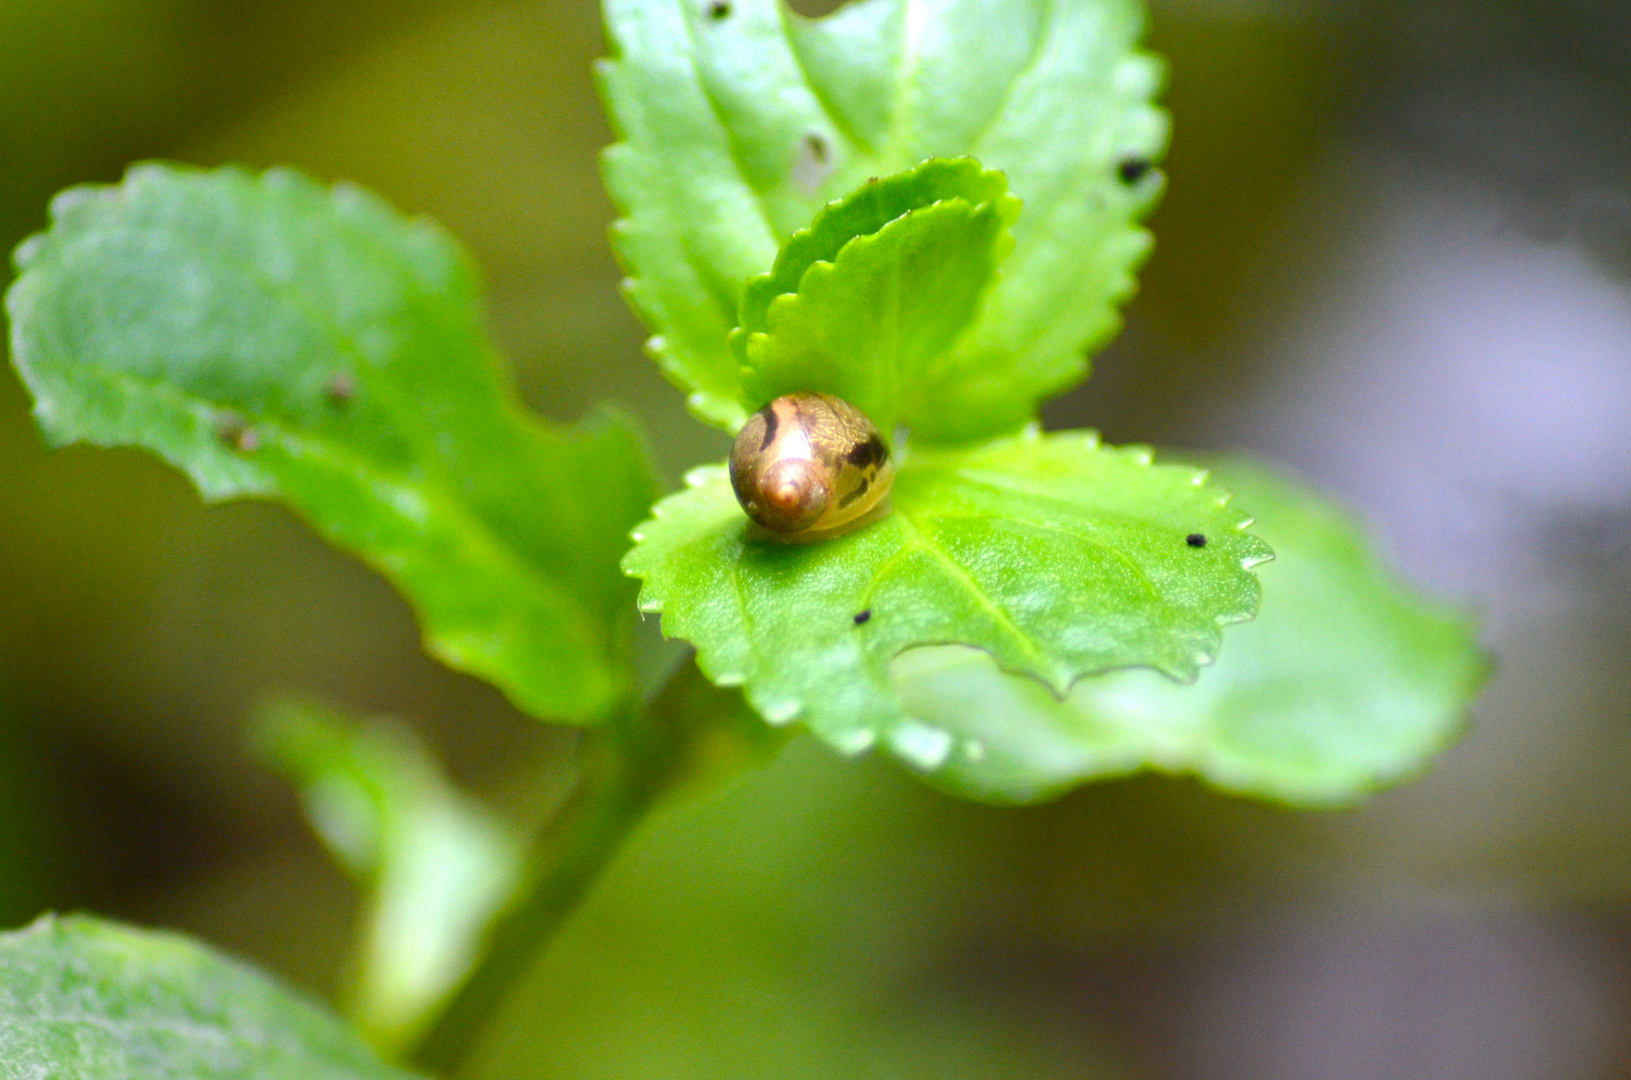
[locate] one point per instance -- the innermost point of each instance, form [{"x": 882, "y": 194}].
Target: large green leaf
[
  {"x": 1345, "y": 682},
  {"x": 867, "y": 302},
  {"x": 82, "y": 999},
  {"x": 1057, "y": 555},
  {"x": 434, "y": 864},
  {"x": 275, "y": 338},
  {"x": 740, "y": 120}
]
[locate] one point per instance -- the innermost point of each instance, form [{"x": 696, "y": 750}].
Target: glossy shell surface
[{"x": 807, "y": 464}]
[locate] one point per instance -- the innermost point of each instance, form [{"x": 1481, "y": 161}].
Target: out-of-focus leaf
[
  {"x": 1058, "y": 555},
  {"x": 818, "y": 920},
  {"x": 875, "y": 293},
  {"x": 82, "y": 999},
  {"x": 739, "y": 120},
  {"x": 1347, "y": 681},
  {"x": 275, "y": 338},
  {"x": 435, "y": 864}
]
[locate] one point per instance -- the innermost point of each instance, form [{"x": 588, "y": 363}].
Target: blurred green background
[{"x": 1395, "y": 251}]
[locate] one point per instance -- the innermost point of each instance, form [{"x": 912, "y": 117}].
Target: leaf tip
[
  {"x": 65, "y": 202},
  {"x": 779, "y": 713},
  {"x": 700, "y": 477},
  {"x": 25, "y": 253},
  {"x": 920, "y": 745},
  {"x": 855, "y": 742}
]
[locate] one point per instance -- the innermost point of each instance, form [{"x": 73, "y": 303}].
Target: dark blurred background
[{"x": 1395, "y": 252}]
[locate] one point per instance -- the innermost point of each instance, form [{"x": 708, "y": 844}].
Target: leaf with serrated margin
[
  {"x": 275, "y": 338},
  {"x": 874, "y": 307},
  {"x": 739, "y": 120},
  {"x": 1346, "y": 682},
  {"x": 1058, "y": 556},
  {"x": 863, "y": 212},
  {"x": 84, "y": 999}
]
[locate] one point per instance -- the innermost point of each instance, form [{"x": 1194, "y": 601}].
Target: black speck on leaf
[
  {"x": 1133, "y": 169},
  {"x": 340, "y": 389},
  {"x": 863, "y": 617},
  {"x": 719, "y": 9},
  {"x": 235, "y": 434},
  {"x": 1195, "y": 540}
]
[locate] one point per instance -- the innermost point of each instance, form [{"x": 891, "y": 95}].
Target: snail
[{"x": 809, "y": 465}]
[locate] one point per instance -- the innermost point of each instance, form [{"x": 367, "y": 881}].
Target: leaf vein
[{"x": 925, "y": 542}]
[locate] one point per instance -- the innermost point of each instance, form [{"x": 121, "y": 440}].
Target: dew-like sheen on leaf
[
  {"x": 1059, "y": 556},
  {"x": 275, "y": 338},
  {"x": 84, "y": 999},
  {"x": 740, "y": 121},
  {"x": 1346, "y": 681}
]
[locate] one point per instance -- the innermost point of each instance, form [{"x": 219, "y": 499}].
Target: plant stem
[{"x": 624, "y": 767}]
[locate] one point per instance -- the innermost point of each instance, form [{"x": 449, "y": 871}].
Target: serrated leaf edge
[{"x": 783, "y": 711}]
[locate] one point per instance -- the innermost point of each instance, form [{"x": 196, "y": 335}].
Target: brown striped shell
[{"x": 806, "y": 464}]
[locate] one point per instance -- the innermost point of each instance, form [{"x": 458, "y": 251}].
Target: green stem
[{"x": 624, "y": 767}]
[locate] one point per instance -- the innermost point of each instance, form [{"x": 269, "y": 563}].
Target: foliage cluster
[{"x": 928, "y": 210}]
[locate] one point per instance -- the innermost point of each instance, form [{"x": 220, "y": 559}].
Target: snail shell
[{"x": 806, "y": 464}]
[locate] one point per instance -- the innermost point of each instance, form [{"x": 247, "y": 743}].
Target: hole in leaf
[
  {"x": 340, "y": 389},
  {"x": 813, "y": 164}
]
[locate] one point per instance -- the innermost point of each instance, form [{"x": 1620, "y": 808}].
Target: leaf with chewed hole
[
  {"x": 1058, "y": 556},
  {"x": 276, "y": 338},
  {"x": 868, "y": 302},
  {"x": 739, "y": 121},
  {"x": 85, "y": 999},
  {"x": 1347, "y": 681}
]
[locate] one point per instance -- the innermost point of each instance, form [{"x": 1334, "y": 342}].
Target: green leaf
[
  {"x": 740, "y": 120},
  {"x": 435, "y": 864},
  {"x": 1346, "y": 681},
  {"x": 1057, "y": 555},
  {"x": 871, "y": 313},
  {"x": 83, "y": 999},
  {"x": 864, "y": 212},
  {"x": 274, "y": 338}
]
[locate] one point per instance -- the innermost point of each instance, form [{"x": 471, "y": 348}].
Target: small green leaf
[
  {"x": 435, "y": 864},
  {"x": 870, "y": 320},
  {"x": 83, "y": 999},
  {"x": 864, "y": 212},
  {"x": 740, "y": 120},
  {"x": 1057, "y": 555},
  {"x": 1346, "y": 681},
  {"x": 275, "y": 338}
]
